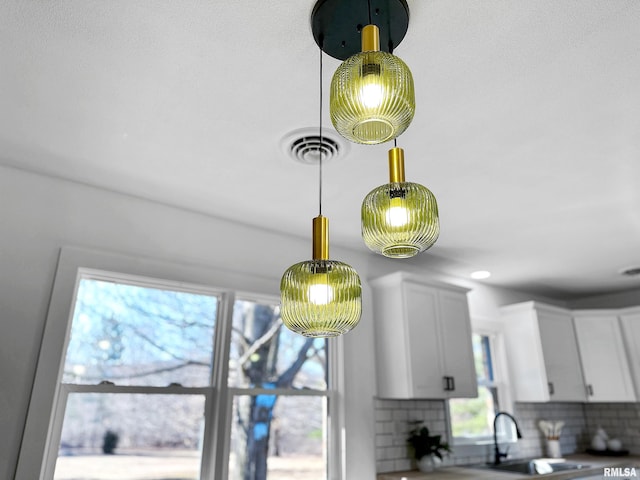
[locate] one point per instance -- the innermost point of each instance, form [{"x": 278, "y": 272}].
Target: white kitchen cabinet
[
  {"x": 544, "y": 362},
  {"x": 630, "y": 322},
  {"x": 423, "y": 339},
  {"x": 604, "y": 360}
]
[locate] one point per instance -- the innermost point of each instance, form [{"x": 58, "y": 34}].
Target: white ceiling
[{"x": 527, "y": 126}]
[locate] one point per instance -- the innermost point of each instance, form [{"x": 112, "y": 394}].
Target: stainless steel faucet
[{"x": 498, "y": 454}]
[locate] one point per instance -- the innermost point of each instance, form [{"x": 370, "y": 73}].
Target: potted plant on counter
[{"x": 426, "y": 447}]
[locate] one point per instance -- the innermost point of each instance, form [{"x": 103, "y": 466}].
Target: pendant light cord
[
  {"x": 320, "y": 146},
  {"x": 369, "y": 5}
]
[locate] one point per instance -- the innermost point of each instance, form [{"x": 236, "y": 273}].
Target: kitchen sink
[{"x": 536, "y": 466}]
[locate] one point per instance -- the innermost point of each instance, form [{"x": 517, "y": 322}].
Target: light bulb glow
[
  {"x": 371, "y": 94},
  {"x": 320, "y": 298},
  {"x": 320, "y": 293},
  {"x": 400, "y": 225},
  {"x": 372, "y": 97},
  {"x": 397, "y": 214}
]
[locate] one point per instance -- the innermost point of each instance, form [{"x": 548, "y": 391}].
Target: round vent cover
[{"x": 304, "y": 145}]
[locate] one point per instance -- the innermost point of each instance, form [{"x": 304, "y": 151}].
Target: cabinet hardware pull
[
  {"x": 590, "y": 390},
  {"x": 551, "y": 389},
  {"x": 449, "y": 384}
]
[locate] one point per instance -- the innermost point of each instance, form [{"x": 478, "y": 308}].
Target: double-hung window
[{"x": 172, "y": 380}]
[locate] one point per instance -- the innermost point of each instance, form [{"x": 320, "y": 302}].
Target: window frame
[
  {"x": 63, "y": 390},
  {"x": 494, "y": 330},
  {"x": 48, "y": 396}
]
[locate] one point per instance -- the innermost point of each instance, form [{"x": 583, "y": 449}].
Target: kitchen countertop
[{"x": 461, "y": 473}]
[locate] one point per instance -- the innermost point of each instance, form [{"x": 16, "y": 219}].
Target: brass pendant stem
[
  {"x": 320, "y": 238},
  {"x": 396, "y": 165},
  {"x": 370, "y": 38}
]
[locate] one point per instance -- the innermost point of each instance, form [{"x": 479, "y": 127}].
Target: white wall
[{"x": 39, "y": 215}]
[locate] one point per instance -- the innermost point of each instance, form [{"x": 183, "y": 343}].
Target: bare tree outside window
[{"x": 265, "y": 355}]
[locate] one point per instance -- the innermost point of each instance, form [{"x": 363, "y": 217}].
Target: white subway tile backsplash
[
  {"x": 400, "y": 414},
  {"x": 402, "y": 465},
  {"x": 581, "y": 420},
  {"x": 384, "y": 440},
  {"x": 619, "y": 421},
  {"x": 386, "y": 466},
  {"x": 416, "y": 414},
  {"x": 383, "y": 414}
]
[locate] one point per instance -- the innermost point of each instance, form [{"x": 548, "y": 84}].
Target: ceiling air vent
[{"x": 305, "y": 146}]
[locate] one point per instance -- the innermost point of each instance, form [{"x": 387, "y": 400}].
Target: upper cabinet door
[
  {"x": 630, "y": 321},
  {"x": 423, "y": 339},
  {"x": 456, "y": 344},
  {"x": 543, "y": 356},
  {"x": 604, "y": 360},
  {"x": 561, "y": 357}
]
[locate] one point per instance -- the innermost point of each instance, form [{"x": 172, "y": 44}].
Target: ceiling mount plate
[{"x": 336, "y": 24}]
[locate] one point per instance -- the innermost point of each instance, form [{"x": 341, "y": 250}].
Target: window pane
[
  {"x": 264, "y": 353},
  {"x": 133, "y": 335},
  {"x": 132, "y": 436},
  {"x": 473, "y": 417},
  {"x": 278, "y": 438},
  {"x": 482, "y": 357}
]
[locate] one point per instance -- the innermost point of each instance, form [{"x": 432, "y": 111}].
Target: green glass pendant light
[
  {"x": 399, "y": 219},
  {"x": 320, "y": 297},
  {"x": 372, "y": 97}
]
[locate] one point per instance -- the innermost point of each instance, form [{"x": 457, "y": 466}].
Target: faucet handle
[{"x": 506, "y": 452}]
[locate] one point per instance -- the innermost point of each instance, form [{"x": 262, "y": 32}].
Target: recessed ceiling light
[{"x": 480, "y": 274}]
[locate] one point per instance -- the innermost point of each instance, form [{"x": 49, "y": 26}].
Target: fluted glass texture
[
  {"x": 400, "y": 220},
  {"x": 320, "y": 298},
  {"x": 372, "y": 98}
]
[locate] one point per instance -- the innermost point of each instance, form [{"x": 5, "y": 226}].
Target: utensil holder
[{"x": 553, "y": 448}]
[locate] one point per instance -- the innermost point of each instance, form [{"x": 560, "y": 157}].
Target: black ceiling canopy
[{"x": 336, "y": 24}]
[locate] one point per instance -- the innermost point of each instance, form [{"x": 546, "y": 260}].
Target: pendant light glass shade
[
  {"x": 320, "y": 297},
  {"x": 372, "y": 98},
  {"x": 399, "y": 219}
]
